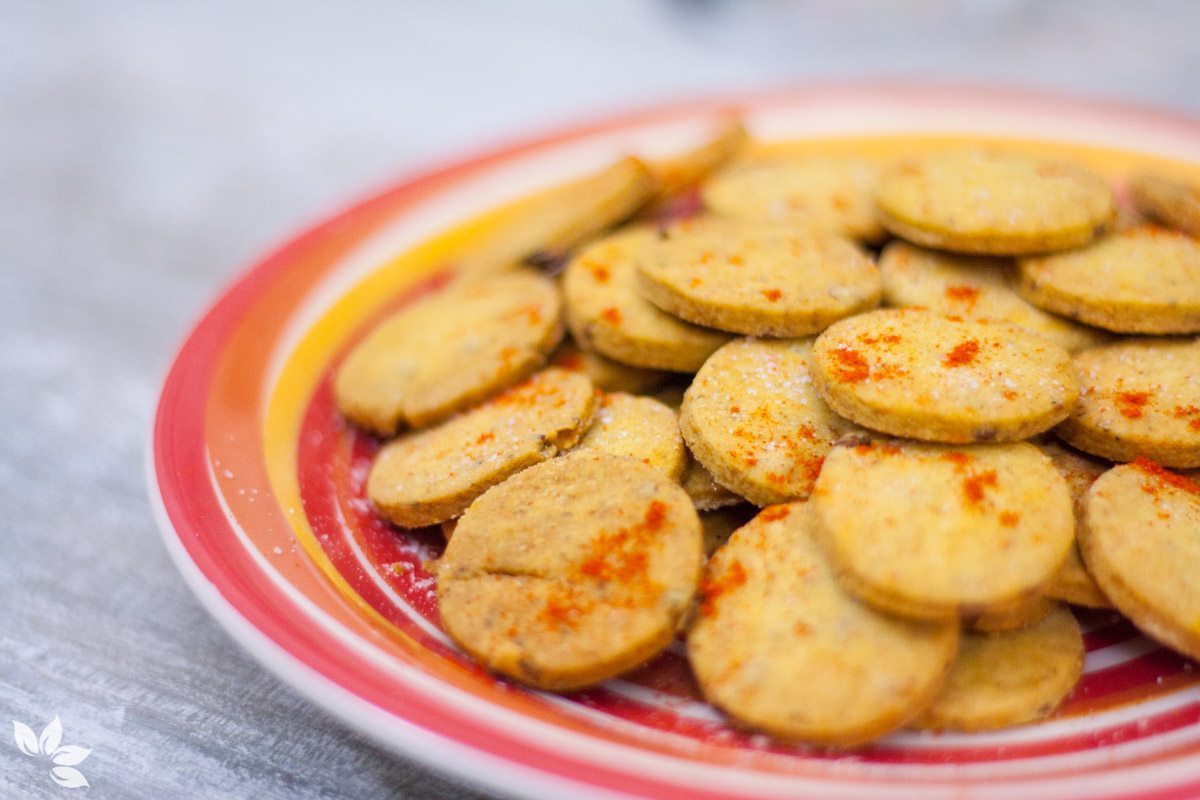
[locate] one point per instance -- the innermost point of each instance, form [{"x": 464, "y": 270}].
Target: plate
[{"x": 258, "y": 489}]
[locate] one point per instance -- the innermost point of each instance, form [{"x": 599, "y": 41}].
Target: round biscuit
[
  {"x": 1144, "y": 279},
  {"x": 1011, "y": 678},
  {"x": 915, "y": 373},
  {"x": 1140, "y": 543},
  {"x": 572, "y": 571},
  {"x": 933, "y": 531},
  {"x": 757, "y": 278},
  {"x": 993, "y": 202},
  {"x": 430, "y": 476},
  {"x": 1140, "y": 397},
  {"x": 638, "y": 427},
  {"x": 1073, "y": 583},
  {"x": 543, "y": 229},
  {"x": 450, "y": 351},
  {"x": 781, "y": 647},
  {"x": 1172, "y": 202},
  {"x": 753, "y": 419},
  {"x": 828, "y": 192},
  {"x": 972, "y": 287},
  {"x": 607, "y": 313}
]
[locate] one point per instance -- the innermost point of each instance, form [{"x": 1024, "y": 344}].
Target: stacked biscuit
[{"x": 920, "y": 524}]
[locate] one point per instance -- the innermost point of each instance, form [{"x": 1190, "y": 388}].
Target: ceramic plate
[{"x": 259, "y": 488}]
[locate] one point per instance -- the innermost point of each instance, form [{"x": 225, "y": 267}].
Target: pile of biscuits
[{"x": 963, "y": 389}]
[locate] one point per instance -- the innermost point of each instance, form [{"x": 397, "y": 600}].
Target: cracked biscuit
[{"x": 572, "y": 571}]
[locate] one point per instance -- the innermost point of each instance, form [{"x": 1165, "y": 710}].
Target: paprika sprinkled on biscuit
[{"x": 962, "y": 354}]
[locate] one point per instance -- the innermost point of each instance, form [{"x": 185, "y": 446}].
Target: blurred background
[{"x": 150, "y": 150}]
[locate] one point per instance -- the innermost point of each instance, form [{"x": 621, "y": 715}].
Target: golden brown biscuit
[
  {"x": 753, "y": 419},
  {"x": 430, "y": 476},
  {"x": 758, "y": 278},
  {"x": 1140, "y": 543},
  {"x": 1009, "y": 678},
  {"x": 606, "y": 374},
  {"x": 677, "y": 175},
  {"x": 607, "y": 313},
  {"x": 1140, "y": 280},
  {"x": 702, "y": 487},
  {"x": 972, "y": 287},
  {"x": 993, "y": 202},
  {"x": 449, "y": 352},
  {"x": 548, "y": 226},
  {"x": 1140, "y": 397},
  {"x": 919, "y": 529},
  {"x": 781, "y": 647},
  {"x": 915, "y": 373},
  {"x": 832, "y": 193},
  {"x": 1073, "y": 583},
  {"x": 1172, "y": 202},
  {"x": 638, "y": 427},
  {"x": 572, "y": 571}
]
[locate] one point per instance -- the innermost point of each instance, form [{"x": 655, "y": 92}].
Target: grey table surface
[{"x": 150, "y": 150}]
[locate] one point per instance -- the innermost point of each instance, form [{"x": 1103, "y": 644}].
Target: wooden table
[{"x": 149, "y": 151}]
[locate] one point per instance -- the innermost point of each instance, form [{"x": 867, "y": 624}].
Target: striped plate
[{"x": 259, "y": 490}]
